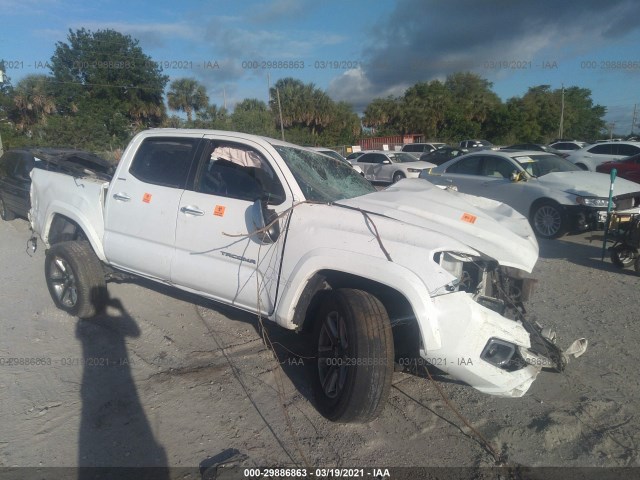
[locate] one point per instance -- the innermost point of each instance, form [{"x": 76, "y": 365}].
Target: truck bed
[{"x": 80, "y": 199}]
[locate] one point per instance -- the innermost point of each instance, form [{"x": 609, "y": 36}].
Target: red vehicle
[{"x": 628, "y": 168}]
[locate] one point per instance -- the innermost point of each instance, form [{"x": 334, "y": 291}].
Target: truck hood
[
  {"x": 587, "y": 184},
  {"x": 486, "y": 226}
]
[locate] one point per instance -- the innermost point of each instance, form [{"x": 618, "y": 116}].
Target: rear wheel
[
  {"x": 354, "y": 346},
  {"x": 75, "y": 279},
  {"x": 548, "y": 220},
  {"x": 5, "y": 213},
  {"x": 623, "y": 256}
]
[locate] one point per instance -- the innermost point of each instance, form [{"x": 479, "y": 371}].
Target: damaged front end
[{"x": 487, "y": 339}]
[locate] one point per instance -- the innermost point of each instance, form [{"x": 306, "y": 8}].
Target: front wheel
[
  {"x": 75, "y": 279},
  {"x": 354, "y": 347},
  {"x": 398, "y": 176},
  {"x": 548, "y": 220}
]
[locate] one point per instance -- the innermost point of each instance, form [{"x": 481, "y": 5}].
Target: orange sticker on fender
[
  {"x": 467, "y": 217},
  {"x": 146, "y": 198},
  {"x": 219, "y": 210}
]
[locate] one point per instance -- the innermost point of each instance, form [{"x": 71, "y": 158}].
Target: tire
[
  {"x": 354, "y": 363},
  {"x": 75, "y": 279},
  {"x": 623, "y": 256},
  {"x": 636, "y": 265},
  {"x": 548, "y": 220},
  {"x": 398, "y": 176},
  {"x": 5, "y": 213}
]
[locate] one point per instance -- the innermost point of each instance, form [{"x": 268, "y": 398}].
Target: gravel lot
[{"x": 167, "y": 379}]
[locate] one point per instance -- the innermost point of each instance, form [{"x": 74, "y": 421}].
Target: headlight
[
  {"x": 593, "y": 201},
  {"x": 498, "y": 352},
  {"x": 414, "y": 170}
]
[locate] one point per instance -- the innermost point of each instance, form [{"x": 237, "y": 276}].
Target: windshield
[
  {"x": 539, "y": 165},
  {"x": 321, "y": 178},
  {"x": 401, "y": 157}
]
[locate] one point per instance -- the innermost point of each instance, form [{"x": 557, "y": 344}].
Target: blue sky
[{"x": 356, "y": 50}]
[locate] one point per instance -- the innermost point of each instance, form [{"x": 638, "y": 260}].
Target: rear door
[
  {"x": 216, "y": 253},
  {"x": 142, "y": 205}
]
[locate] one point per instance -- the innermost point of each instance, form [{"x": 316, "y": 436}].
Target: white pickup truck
[{"x": 304, "y": 241}]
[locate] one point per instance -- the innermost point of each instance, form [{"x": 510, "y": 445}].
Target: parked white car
[
  {"x": 589, "y": 157},
  {"x": 554, "y": 194},
  {"x": 568, "y": 146},
  {"x": 390, "y": 167}
]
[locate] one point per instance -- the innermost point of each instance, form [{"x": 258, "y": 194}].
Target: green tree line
[{"x": 102, "y": 89}]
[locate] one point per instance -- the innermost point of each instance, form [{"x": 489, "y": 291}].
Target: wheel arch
[
  {"x": 405, "y": 328},
  {"x": 539, "y": 201},
  {"x": 64, "y": 227}
]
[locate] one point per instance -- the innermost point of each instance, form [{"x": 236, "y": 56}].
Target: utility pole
[
  {"x": 268, "y": 87},
  {"x": 561, "y": 129},
  {"x": 224, "y": 97},
  {"x": 633, "y": 121},
  {"x": 280, "y": 110},
  {"x": 612, "y": 125}
]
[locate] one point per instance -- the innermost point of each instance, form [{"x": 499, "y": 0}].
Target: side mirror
[
  {"x": 266, "y": 222},
  {"x": 386, "y": 162}
]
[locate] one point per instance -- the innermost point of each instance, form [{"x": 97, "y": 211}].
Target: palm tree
[
  {"x": 187, "y": 95},
  {"x": 32, "y": 102}
]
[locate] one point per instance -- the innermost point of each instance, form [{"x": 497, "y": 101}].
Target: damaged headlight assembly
[{"x": 593, "y": 202}]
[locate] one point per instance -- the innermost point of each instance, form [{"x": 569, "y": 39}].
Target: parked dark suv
[{"x": 16, "y": 166}]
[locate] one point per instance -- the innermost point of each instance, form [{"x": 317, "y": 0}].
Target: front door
[{"x": 216, "y": 253}]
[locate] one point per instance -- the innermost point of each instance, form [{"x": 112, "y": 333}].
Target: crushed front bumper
[{"x": 465, "y": 328}]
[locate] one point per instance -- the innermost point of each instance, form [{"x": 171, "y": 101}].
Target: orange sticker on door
[
  {"x": 218, "y": 211},
  {"x": 146, "y": 198},
  {"x": 467, "y": 217}
]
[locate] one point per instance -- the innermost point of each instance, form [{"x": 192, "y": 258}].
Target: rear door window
[
  {"x": 466, "y": 166},
  {"x": 164, "y": 161}
]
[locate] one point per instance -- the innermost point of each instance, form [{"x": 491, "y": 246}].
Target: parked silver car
[{"x": 555, "y": 195}]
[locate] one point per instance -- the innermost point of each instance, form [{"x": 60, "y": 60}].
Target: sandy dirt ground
[{"x": 167, "y": 379}]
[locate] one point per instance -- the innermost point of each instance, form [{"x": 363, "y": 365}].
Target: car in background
[
  {"x": 568, "y": 146},
  {"x": 389, "y": 167},
  {"x": 336, "y": 155},
  {"x": 15, "y": 169},
  {"x": 536, "y": 147},
  {"x": 589, "y": 157},
  {"x": 628, "y": 168},
  {"x": 330, "y": 152},
  {"x": 354, "y": 155},
  {"x": 443, "y": 154},
  {"x": 477, "y": 145},
  {"x": 417, "y": 149},
  {"x": 554, "y": 194}
]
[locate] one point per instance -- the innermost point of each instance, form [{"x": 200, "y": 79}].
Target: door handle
[
  {"x": 190, "y": 210},
  {"x": 123, "y": 197}
]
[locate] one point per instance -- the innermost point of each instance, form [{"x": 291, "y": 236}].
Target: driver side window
[{"x": 237, "y": 171}]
